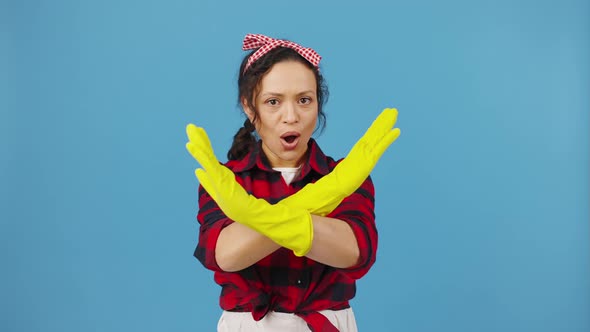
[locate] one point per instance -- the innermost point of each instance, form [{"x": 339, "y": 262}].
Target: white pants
[{"x": 282, "y": 322}]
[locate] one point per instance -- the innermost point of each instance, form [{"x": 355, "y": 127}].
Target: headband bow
[{"x": 265, "y": 44}]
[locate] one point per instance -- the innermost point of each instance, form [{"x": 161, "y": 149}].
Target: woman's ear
[{"x": 249, "y": 112}]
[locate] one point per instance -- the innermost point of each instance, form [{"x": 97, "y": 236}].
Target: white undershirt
[{"x": 289, "y": 173}]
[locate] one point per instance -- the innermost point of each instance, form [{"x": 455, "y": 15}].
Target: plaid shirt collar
[{"x": 316, "y": 160}]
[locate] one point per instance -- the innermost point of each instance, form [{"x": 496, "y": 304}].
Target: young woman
[{"x": 286, "y": 229}]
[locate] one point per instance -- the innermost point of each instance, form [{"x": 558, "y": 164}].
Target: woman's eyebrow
[
  {"x": 307, "y": 92},
  {"x": 277, "y": 94},
  {"x": 268, "y": 93}
]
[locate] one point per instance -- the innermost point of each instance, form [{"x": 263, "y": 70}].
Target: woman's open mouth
[{"x": 290, "y": 140}]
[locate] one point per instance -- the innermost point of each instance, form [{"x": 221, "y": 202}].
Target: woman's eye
[
  {"x": 305, "y": 100},
  {"x": 273, "y": 102}
]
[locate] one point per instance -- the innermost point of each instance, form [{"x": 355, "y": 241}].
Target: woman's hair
[{"x": 249, "y": 81}]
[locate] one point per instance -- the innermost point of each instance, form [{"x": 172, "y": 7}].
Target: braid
[{"x": 243, "y": 142}]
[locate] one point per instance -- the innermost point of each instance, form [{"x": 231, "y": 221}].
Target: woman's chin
[
  {"x": 292, "y": 158},
  {"x": 279, "y": 156}
]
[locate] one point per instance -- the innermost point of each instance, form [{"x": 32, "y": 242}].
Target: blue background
[{"x": 482, "y": 203}]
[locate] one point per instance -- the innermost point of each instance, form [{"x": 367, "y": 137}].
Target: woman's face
[{"x": 287, "y": 112}]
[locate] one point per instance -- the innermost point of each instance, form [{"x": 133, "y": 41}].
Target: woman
[{"x": 286, "y": 231}]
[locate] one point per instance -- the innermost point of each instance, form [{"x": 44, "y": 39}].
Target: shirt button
[{"x": 298, "y": 281}]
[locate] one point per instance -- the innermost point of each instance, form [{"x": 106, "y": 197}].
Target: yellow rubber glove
[
  {"x": 323, "y": 196},
  {"x": 291, "y": 228}
]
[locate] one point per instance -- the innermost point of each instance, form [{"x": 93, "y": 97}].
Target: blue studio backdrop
[{"x": 482, "y": 204}]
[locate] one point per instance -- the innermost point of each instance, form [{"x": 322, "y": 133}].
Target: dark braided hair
[{"x": 249, "y": 81}]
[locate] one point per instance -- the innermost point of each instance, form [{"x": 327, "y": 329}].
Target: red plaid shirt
[{"x": 282, "y": 281}]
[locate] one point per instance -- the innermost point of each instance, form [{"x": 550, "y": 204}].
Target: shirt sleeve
[
  {"x": 358, "y": 211},
  {"x": 212, "y": 220}
]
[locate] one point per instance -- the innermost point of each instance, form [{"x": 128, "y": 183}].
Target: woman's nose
[{"x": 290, "y": 115}]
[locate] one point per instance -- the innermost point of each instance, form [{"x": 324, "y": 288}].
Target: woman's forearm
[
  {"x": 334, "y": 243},
  {"x": 239, "y": 246}
]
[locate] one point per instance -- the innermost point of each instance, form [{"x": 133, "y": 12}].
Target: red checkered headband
[{"x": 265, "y": 44}]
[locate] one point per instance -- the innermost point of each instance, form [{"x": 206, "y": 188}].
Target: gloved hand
[
  {"x": 323, "y": 196},
  {"x": 291, "y": 228}
]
